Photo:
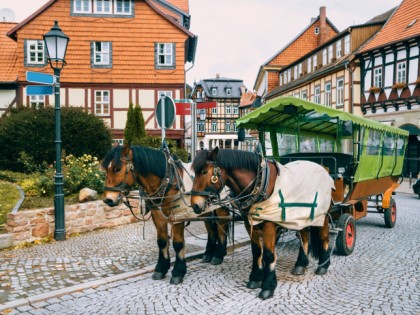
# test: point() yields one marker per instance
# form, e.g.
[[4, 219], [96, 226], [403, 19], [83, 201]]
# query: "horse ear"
[[125, 149], [213, 154]]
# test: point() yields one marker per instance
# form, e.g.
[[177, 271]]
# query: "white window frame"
[[327, 94], [37, 101], [201, 125], [103, 103], [346, 44], [281, 79], [228, 91], [330, 53], [338, 49], [340, 92], [228, 110], [304, 95], [214, 110], [123, 6], [234, 126], [213, 91], [36, 51], [316, 30], [165, 51], [214, 126], [315, 61], [324, 57], [82, 4], [317, 94], [227, 126], [401, 75], [102, 6], [309, 65], [289, 75], [299, 69], [377, 77], [166, 93], [295, 72], [235, 109], [104, 53]]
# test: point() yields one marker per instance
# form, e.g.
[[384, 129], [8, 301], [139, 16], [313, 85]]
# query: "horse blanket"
[[301, 197], [181, 206]]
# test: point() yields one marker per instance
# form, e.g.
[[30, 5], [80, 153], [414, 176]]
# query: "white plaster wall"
[[120, 119], [76, 97], [122, 99], [6, 97], [147, 101]]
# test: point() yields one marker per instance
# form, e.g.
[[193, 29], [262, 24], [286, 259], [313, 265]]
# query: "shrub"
[[28, 134]]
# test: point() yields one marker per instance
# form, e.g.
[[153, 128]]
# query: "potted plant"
[[375, 89], [418, 81], [399, 85]]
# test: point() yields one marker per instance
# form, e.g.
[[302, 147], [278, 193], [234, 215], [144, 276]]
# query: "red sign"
[[183, 108], [206, 105]]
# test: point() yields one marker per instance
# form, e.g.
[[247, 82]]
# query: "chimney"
[[322, 26], [217, 76]]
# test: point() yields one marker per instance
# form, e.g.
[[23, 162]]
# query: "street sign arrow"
[[39, 90], [39, 77]]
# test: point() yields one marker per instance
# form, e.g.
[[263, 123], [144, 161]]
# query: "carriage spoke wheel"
[[390, 215], [346, 239]]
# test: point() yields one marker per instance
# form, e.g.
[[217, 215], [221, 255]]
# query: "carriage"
[[364, 157]]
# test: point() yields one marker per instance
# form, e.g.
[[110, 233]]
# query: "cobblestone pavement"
[[382, 276]]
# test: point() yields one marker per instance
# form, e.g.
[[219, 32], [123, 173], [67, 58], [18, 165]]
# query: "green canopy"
[[292, 113]]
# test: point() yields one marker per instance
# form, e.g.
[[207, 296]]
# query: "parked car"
[[416, 187]]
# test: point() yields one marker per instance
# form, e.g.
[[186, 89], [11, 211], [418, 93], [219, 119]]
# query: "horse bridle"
[[211, 192], [122, 188]]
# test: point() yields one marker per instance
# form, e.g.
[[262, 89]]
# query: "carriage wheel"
[[390, 214], [346, 239]]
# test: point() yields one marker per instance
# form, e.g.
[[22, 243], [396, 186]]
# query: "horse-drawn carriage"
[[364, 157]]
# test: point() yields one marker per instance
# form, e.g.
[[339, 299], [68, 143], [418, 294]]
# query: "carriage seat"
[[331, 161]]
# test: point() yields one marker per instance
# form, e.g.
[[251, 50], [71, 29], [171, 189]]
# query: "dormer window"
[[309, 67], [338, 49], [228, 91], [213, 91]]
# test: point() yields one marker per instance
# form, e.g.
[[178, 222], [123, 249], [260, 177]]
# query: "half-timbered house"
[[120, 52]]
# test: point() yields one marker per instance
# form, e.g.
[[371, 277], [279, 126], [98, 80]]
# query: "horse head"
[[120, 174], [208, 181]]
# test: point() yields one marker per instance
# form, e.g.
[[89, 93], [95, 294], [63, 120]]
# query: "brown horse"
[[253, 180], [162, 179]]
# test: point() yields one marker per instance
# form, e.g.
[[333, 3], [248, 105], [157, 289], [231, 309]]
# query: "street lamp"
[[56, 42]]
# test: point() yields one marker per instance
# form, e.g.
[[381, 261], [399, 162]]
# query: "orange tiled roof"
[[8, 54], [180, 4], [397, 28]]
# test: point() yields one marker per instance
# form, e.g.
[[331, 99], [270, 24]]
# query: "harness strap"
[[283, 206]]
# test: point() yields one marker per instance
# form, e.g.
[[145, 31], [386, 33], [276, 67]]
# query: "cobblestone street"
[[380, 277]]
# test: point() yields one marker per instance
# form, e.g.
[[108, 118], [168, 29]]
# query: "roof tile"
[[8, 54]]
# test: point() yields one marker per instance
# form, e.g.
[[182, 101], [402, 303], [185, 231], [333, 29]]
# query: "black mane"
[[145, 160], [229, 160]]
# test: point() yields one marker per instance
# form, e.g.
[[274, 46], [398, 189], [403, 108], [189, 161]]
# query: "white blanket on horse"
[[181, 207], [301, 197]]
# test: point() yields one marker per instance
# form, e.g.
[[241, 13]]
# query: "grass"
[[9, 197], [46, 202]]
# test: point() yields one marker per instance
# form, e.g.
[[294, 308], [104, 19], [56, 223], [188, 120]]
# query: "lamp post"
[[56, 42]]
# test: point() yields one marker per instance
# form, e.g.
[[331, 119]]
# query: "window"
[[317, 95], [295, 72], [330, 53], [102, 6], [201, 125], [122, 6], [377, 77], [228, 110], [340, 92], [315, 61], [309, 65], [102, 54], [228, 91], [35, 52], [37, 101], [327, 94], [165, 55], [346, 44], [214, 110], [401, 72], [227, 126], [235, 110], [82, 6], [299, 69], [214, 126], [338, 49], [102, 103], [297, 95], [304, 95], [166, 93], [234, 127], [289, 75], [316, 30], [324, 57], [281, 79], [213, 91]]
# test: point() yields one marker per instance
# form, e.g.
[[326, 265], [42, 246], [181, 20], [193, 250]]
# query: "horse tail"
[[316, 243]]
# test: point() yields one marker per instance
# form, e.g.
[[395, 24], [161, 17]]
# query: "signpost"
[[39, 90], [48, 81], [165, 114]]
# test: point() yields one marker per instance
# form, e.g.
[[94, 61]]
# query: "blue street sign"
[[39, 90], [39, 77]]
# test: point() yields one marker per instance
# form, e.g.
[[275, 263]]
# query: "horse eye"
[[204, 172]]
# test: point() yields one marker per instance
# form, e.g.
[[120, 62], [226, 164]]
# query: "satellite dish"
[[7, 15]]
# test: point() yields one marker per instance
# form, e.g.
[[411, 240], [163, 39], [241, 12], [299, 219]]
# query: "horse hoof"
[[158, 275], [298, 270], [321, 271], [216, 261], [206, 258], [253, 284], [266, 294], [176, 280]]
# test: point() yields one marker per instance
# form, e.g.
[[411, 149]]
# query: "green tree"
[[138, 113], [130, 126]]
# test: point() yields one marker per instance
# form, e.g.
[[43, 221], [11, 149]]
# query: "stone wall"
[[30, 225]]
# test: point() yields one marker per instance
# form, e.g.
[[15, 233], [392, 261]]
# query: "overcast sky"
[[235, 37]]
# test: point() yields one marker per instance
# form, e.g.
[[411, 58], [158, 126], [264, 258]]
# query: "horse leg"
[[211, 241], [269, 282], [324, 253], [163, 263], [257, 273], [180, 267], [302, 261], [222, 228]]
